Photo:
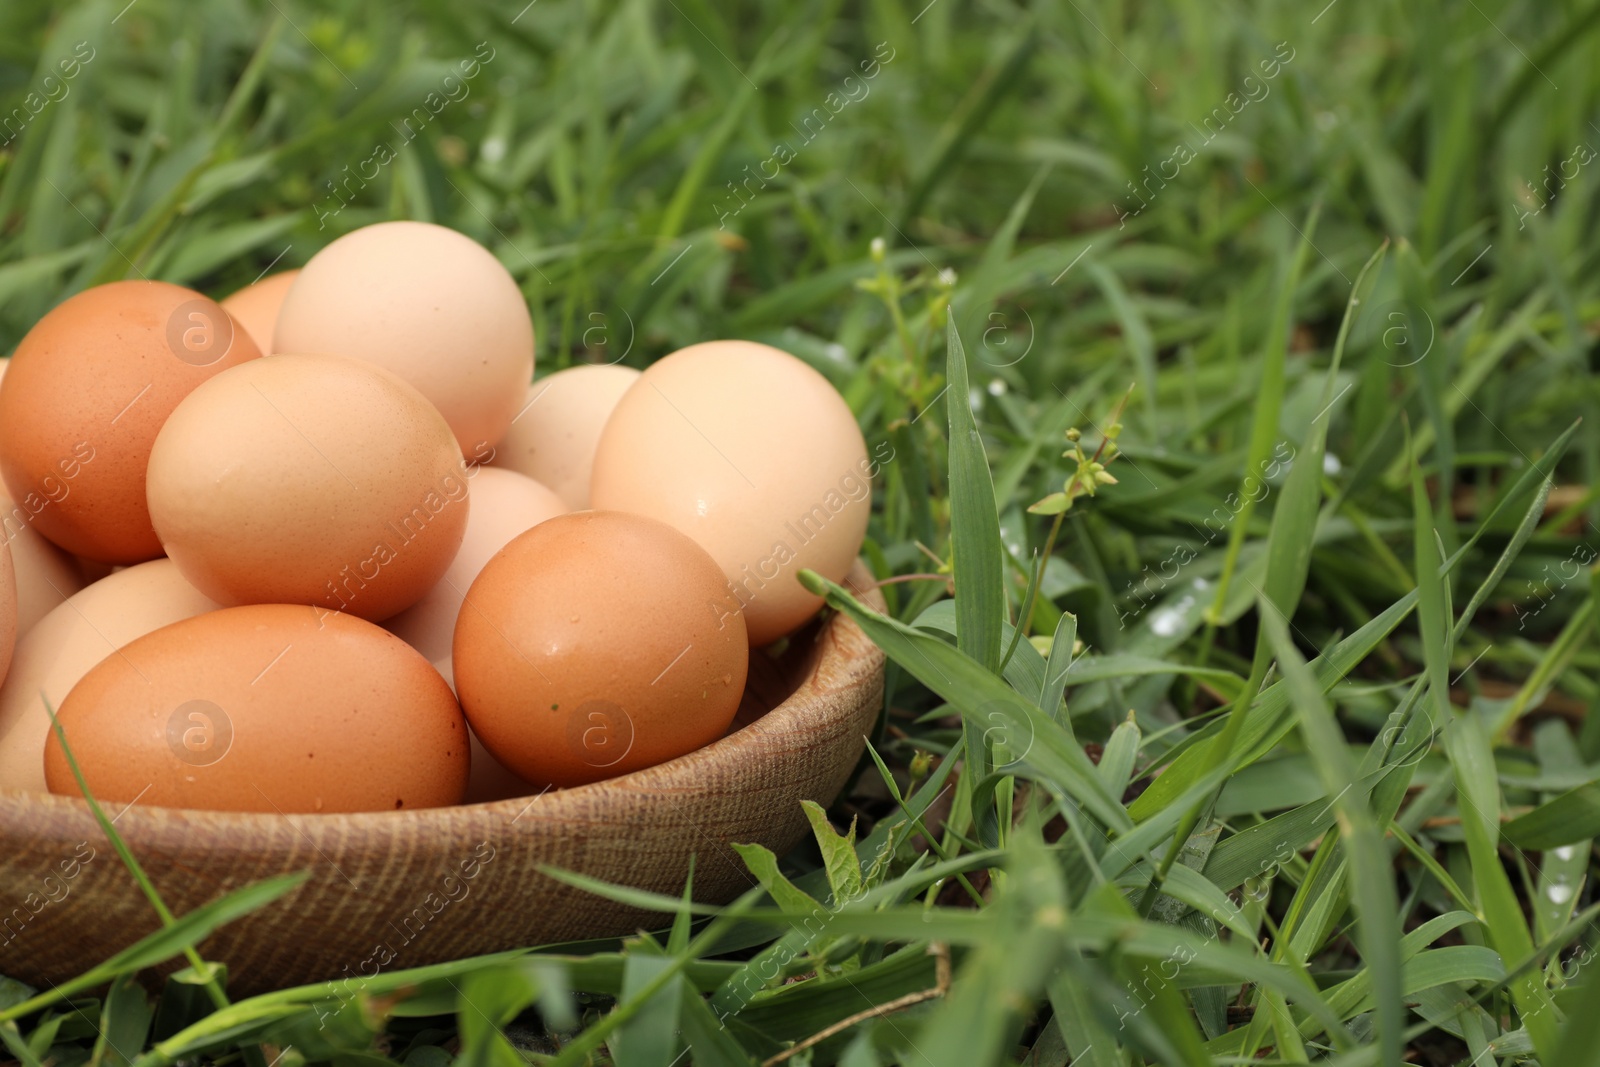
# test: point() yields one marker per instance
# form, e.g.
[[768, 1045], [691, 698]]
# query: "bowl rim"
[[836, 631]]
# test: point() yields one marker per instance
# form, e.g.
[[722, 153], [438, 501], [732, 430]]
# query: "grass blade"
[[1269, 405], [1371, 887], [974, 521], [977, 694], [1477, 785]]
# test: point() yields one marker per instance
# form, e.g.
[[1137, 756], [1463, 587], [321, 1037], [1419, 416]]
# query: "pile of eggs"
[[326, 546]]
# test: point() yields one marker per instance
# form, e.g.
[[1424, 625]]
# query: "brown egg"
[[598, 643], [8, 609], [46, 576], [269, 707], [83, 399], [552, 439], [61, 647], [755, 456], [428, 303], [255, 307], [309, 480]]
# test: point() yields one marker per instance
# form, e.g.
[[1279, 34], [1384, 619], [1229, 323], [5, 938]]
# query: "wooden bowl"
[[390, 890]]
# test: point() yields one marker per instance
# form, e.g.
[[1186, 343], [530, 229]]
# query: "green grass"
[[1323, 783]]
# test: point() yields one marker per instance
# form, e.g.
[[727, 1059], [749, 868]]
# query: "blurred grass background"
[[1175, 196]]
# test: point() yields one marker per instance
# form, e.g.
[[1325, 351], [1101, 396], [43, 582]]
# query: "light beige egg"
[[429, 304], [309, 480], [756, 457], [504, 504], [62, 647], [256, 306], [552, 439], [46, 575]]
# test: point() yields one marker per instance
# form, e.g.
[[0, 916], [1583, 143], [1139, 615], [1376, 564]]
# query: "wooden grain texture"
[[390, 890]]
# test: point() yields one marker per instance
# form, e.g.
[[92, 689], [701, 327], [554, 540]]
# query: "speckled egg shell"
[[72, 638], [271, 708], [598, 643]]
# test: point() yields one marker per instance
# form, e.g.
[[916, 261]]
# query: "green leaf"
[[975, 546], [169, 941], [488, 999], [797, 1010], [1118, 756], [1135, 330], [1573, 816], [1580, 1036], [12, 1038], [1024, 670], [1053, 691], [1078, 995], [1088, 669], [683, 921], [978, 694], [1008, 969], [839, 857], [1268, 405], [710, 1043], [649, 1038], [1269, 722], [1436, 644], [1370, 869], [1053, 504], [124, 1023], [1191, 888], [1477, 786], [764, 865]]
